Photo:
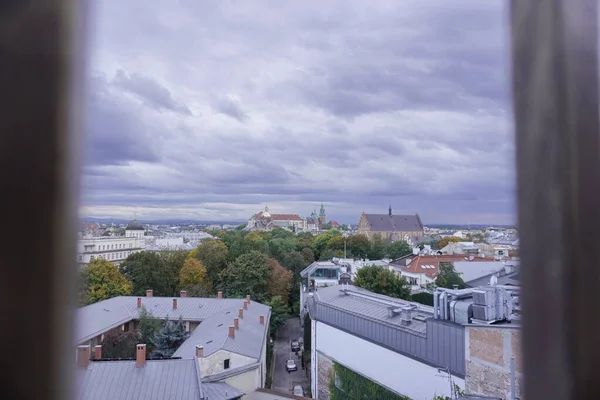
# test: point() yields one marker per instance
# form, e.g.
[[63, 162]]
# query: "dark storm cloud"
[[354, 104]]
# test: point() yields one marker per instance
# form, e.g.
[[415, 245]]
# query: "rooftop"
[[394, 223], [316, 265], [156, 380], [213, 332], [100, 317]]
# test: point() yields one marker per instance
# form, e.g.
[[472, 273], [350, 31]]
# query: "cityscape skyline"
[[210, 110]]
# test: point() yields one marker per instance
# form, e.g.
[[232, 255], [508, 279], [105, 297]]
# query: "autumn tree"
[[399, 249], [280, 280], [213, 255], [336, 243], [192, 274], [381, 280], [444, 241], [247, 275], [101, 280], [172, 261]]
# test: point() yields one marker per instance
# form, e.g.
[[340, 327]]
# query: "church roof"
[[134, 226], [394, 223]]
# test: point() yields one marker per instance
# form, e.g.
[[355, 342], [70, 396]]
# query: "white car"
[[298, 391], [291, 365]]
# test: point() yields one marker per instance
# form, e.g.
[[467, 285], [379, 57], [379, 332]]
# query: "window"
[[412, 281], [91, 258], [226, 364], [80, 258]]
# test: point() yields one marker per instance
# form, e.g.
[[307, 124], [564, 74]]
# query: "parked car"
[[298, 391], [291, 365], [295, 345]]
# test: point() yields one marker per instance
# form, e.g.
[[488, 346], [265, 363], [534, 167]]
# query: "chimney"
[[140, 355], [199, 351], [232, 331], [183, 293], [236, 323], [241, 313], [219, 294], [262, 320], [83, 356], [149, 293], [248, 298], [97, 352], [245, 305], [139, 302], [174, 304]]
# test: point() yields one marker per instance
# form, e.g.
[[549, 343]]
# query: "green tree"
[[295, 263], [213, 255], [379, 248], [321, 240], [119, 344], [399, 249], [448, 277], [169, 338], [280, 280], [278, 247], [359, 246], [247, 275], [347, 384], [280, 233], [172, 262], [383, 281], [192, 273], [336, 243], [279, 313], [308, 256], [101, 280], [304, 240], [146, 270], [241, 246], [147, 328]]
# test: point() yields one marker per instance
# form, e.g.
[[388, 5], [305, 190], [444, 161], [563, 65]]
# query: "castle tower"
[[322, 215]]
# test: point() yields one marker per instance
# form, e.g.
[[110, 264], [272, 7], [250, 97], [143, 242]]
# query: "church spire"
[[390, 210]]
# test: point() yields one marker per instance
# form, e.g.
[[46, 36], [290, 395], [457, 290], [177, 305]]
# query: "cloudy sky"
[[211, 109]]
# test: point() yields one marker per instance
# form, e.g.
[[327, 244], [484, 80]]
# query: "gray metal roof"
[[315, 265], [220, 391], [394, 223], [213, 332], [366, 315], [100, 317], [156, 380]]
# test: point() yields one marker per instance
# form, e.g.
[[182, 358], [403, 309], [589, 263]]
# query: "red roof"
[[286, 217], [419, 263]]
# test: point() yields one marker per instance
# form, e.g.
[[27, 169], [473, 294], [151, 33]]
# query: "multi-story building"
[[406, 348], [264, 221], [227, 344], [112, 248], [391, 227]]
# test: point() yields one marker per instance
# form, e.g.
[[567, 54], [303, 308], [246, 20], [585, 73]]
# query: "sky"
[[210, 110]]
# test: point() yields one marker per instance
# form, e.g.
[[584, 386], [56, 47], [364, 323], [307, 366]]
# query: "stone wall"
[[489, 351], [325, 371]]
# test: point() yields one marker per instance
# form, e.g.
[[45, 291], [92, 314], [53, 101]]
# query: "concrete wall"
[[246, 381], [389, 369], [213, 364], [313, 359], [488, 355]]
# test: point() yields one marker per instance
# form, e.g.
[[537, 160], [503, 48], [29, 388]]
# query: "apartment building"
[[112, 248], [407, 348]]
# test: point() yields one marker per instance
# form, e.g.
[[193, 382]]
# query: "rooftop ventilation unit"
[[493, 304], [406, 315]]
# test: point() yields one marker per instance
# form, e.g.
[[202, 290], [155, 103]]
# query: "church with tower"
[[319, 219]]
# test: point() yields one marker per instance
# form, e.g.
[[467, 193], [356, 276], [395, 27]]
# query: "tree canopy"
[[448, 277], [101, 280], [192, 274], [280, 280], [247, 275], [383, 281]]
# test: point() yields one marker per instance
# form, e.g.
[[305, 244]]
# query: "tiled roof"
[[213, 332], [286, 217], [430, 265], [394, 223], [156, 380], [100, 317]]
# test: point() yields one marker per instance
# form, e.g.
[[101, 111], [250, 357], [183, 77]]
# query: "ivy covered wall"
[[348, 385]]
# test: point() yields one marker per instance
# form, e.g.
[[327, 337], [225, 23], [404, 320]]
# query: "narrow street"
[[282, 380]]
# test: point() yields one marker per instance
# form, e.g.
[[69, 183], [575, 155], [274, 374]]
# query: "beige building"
[[390, 227]]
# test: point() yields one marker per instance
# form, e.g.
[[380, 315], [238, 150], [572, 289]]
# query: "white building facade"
[[112, 248]]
